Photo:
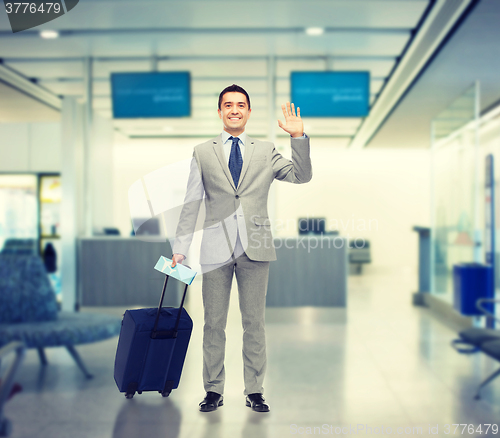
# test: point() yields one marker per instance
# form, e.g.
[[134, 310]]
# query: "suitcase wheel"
[[139, 392], [129, 395], [165, 393]]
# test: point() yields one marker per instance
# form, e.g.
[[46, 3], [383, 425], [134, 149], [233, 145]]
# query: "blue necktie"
[[235, 161]]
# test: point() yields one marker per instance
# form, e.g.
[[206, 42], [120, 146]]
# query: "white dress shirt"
[[227, 144]]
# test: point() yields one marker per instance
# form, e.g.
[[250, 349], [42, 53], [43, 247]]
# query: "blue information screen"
[[331, 94], [162, 94]]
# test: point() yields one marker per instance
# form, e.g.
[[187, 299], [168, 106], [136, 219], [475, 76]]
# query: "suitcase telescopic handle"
[[166, 334]]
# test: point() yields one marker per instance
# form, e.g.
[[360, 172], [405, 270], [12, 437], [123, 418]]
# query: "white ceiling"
[[472, 53], [220, 43]]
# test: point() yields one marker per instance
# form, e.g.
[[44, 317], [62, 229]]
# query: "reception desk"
[[117, 271], [310, 271]]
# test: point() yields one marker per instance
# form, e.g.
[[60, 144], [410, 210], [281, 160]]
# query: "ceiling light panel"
[[376, 67], [37, 68], [315, 31], [216, 86], [105, 68], [64, 88], [217, 67], [49, 34], [104, 14]]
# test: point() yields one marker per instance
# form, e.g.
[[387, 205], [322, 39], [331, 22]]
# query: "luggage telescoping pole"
[[166, 334]]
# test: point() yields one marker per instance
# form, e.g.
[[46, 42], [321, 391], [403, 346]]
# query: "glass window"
[[18, 207]]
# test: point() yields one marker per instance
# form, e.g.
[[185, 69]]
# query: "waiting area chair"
[[20, 246], [29, 311], [475, 340], [359, 254]]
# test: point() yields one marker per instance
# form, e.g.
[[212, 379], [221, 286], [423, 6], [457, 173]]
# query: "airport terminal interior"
[[380, 306]]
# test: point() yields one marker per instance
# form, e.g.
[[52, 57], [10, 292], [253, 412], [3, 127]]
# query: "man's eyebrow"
[[232, 102]]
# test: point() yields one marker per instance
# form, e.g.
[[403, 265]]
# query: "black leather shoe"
[[211, 402], [257, 402]]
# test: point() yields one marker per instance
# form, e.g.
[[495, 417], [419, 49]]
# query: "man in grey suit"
[[233, 173]]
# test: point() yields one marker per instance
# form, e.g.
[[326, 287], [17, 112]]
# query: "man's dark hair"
[[231, 89]]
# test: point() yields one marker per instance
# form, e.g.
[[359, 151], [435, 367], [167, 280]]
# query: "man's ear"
[[220, 115], [249, 112]]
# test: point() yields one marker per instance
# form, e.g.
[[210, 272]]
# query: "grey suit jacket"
[[242, 210]]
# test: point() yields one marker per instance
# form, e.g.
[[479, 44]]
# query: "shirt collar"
[[225, 137]]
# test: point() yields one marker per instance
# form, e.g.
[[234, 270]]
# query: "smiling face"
[[234, 112]]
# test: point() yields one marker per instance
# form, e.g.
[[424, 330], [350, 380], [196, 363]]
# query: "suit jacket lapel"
[[249, 148], [219, 151]]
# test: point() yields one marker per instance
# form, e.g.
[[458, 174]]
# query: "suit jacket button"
[[237, 196]]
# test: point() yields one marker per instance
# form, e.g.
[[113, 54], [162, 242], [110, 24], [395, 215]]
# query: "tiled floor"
[[386, 365]]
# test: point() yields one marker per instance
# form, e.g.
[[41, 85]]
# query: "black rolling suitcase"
[[152, 348]]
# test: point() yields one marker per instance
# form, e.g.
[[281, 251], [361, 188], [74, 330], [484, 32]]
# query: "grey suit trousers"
[[252, 278]]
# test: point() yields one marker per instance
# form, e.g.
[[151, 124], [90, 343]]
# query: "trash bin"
[[472, 281]]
